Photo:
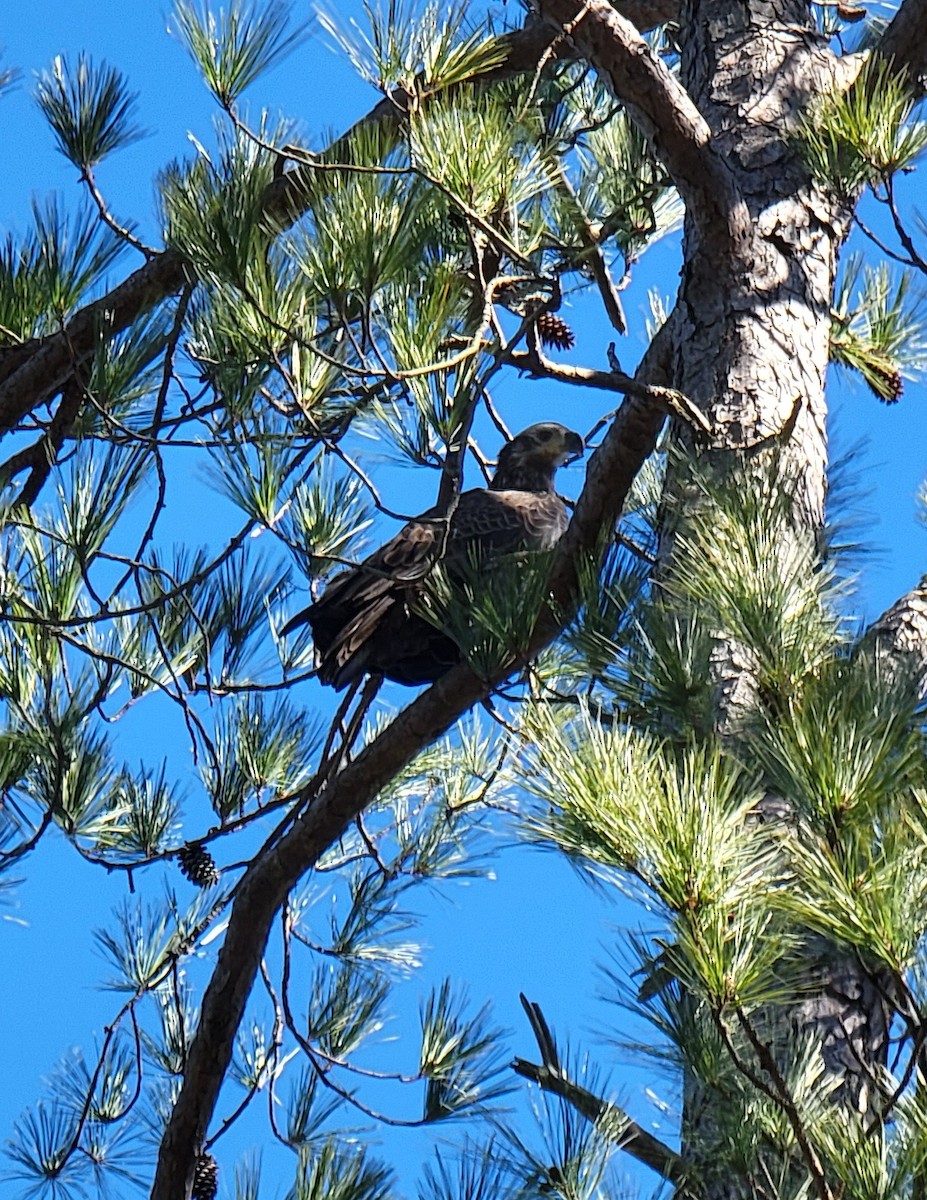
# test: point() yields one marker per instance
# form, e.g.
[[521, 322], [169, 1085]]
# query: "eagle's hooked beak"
[[573, 446]]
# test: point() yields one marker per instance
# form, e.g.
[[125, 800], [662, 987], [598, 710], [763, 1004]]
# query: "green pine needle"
[[167, 1047], [483, 157], [239, 44], [864, 134], [624, 188], [477, 1172], [145, 942], [326, 522], [416, 50], [39, 1149], [44, 277], [308, 1107], [460, 1057], [347, 1008], [214, 206], [368, 222], [144, 816], [265, 748], [336, 1170], [879, 332], [90, 109]]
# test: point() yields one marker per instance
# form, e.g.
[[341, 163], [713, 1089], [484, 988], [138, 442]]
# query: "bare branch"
[[594, 257], [669, 400], [631, 1137], [614, 1121]]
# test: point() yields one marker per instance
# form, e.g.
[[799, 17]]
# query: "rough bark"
[[900, 633], [905, 42], [754, 339], [750, 345]]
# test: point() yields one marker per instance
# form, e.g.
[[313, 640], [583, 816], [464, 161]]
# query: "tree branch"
[[648, 14], [45, 451], [669, 400], [615, 1122], [677, 132], [277, 868], [905, 42], [33, 372]]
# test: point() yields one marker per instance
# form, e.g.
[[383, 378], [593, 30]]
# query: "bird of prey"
[[365, 622]]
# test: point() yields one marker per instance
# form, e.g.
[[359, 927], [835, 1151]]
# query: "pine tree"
[[678, 698]]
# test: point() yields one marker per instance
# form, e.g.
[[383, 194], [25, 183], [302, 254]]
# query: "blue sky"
[[535, 928]]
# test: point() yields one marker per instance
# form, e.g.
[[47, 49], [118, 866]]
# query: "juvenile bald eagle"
[[365, 621]]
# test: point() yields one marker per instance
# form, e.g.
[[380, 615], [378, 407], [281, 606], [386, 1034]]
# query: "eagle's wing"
[[363, 600], [363, 620], [504, 522]]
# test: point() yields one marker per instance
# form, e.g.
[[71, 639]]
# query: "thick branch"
[[631, 1137], [676, 131], [34, 372], [905, 42], [648, 14], [277, 869], [49, 445]]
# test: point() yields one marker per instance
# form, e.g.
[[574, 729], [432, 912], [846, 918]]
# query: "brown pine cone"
[[554, 331], [197, 864], [205, 1178]]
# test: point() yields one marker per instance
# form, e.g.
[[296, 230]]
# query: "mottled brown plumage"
[[364, 620]]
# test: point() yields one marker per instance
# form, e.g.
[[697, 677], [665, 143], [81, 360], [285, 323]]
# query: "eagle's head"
[[528, 462]]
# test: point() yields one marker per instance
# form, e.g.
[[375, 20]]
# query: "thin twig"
[[611, 1119], [779, 1093], [109, 220]]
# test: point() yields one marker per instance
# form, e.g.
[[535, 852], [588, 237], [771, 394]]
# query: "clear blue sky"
[[536, 928]]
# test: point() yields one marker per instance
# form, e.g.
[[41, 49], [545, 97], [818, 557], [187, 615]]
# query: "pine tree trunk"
[[751, 337], [752, 341]]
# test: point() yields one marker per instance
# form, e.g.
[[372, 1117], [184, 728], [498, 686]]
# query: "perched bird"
[[365, 620]]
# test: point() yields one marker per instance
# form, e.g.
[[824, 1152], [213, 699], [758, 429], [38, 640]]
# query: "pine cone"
[[554, 331], [205, 1178], [891, 385], [197, 864], [896, 384]]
